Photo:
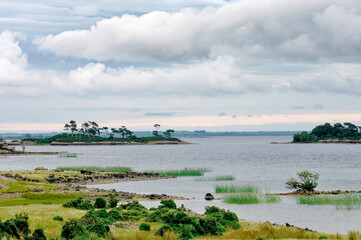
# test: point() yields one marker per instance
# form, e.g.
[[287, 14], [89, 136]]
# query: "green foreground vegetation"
[[347, 131], [344, 201], [134, 221]]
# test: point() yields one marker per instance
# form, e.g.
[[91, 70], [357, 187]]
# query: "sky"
[[245, 65]]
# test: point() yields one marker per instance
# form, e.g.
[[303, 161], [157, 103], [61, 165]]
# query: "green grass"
[[345, 201], [237, 189], [219, 178], [41, 198], [24, 186], [186, 172], [250, 198], [97, 169]]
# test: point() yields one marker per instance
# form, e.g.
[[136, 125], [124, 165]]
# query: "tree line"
[[92, 128], [346, 131]]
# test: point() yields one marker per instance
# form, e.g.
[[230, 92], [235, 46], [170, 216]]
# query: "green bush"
[[79, 204], [99, 229], [307, 181], [168, 204], [115, 215], [101, 213], [162, 229], [144, 227], [100, 203], [58, 218], [38, 234], [85, 206], [212, 226], [112, 202], [73, 228]]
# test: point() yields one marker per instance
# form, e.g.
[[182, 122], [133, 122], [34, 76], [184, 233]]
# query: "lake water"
[[251, 160]]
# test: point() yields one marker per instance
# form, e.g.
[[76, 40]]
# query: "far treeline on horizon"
[[327, 131]]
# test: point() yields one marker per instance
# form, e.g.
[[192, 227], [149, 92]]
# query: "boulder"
[[40, 169], [209, 197]]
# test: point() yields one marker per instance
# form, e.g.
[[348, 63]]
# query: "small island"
[[326, 133], [91, 134]]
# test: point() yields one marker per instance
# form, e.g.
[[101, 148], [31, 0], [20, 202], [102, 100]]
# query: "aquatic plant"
[[186, 172], [218, 178], [345, 201], [236, 189], [250, 198], [97, 169]]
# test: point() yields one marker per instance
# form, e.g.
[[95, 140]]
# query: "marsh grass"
[[24, 186], [250, 198], [237, 189], [186, 172], [41, 198], [218, 178], [344, 201], [97, 169], [251, 230]]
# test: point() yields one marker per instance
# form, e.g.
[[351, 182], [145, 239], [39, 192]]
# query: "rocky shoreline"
[[69, 182], [104, 143]]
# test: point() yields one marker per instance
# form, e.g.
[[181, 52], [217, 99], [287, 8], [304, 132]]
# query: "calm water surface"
[[251, 160]]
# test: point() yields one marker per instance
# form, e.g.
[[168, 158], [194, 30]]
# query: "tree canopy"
[[347, 131]]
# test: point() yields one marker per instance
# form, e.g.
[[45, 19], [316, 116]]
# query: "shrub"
[[308, 181], [211, 225], [85, 206], [101, 213], [112, 202], [38, 234], [58, 218], [144, 227], [100, 203], [115, 215], [73, 228], [168, 204], [163, 229], [98, 228]]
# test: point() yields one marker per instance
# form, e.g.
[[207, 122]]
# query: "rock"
[[86, 172], [51, 176], [209, 197], [18, 176], [9, 175], [40, 168]]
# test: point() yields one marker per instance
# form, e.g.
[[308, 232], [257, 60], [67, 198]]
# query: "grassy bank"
[[97, 169], [36, 198]]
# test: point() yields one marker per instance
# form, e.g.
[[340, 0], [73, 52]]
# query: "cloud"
[[293, 30], [222, 114], [160, 114], [299, 108], [318, 106]]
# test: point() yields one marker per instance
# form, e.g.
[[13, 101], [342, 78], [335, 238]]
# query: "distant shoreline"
[[105, 143]]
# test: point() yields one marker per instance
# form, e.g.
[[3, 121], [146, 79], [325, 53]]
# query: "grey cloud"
[[222, 114], [318, 106], [298, 107], [307, 30], [160, 114]]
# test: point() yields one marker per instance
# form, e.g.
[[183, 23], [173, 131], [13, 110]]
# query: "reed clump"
[[344, 201], [237, 189], [250, 198], [186, 172], [218, 178]]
